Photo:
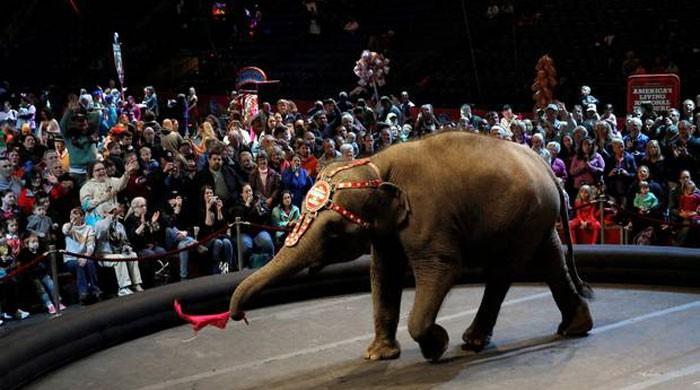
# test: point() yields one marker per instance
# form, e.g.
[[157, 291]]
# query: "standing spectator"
[[78, 127], [407, 107], [150, 101], [80, 239], [192, 108], [586, 97], [170, 139]]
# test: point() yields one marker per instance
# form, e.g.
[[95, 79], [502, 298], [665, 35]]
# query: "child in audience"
[[39, 223], [584, 216], [645, 200], [38, 275]]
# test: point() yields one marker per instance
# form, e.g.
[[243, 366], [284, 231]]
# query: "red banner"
[[662, 91]]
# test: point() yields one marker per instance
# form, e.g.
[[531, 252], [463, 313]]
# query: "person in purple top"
[[558, 165], [587, 166]]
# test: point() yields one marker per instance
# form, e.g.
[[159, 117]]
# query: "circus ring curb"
[[31, 352]]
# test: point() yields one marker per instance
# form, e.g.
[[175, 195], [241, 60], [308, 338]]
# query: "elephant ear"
[[392, 208]]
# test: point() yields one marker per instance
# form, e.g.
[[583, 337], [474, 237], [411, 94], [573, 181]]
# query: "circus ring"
[[311, 330]]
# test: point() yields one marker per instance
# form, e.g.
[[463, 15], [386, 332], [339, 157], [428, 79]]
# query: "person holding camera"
[[213, 222], [258, 246]]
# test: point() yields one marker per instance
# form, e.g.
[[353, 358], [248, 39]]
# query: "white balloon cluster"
[[371, 68]]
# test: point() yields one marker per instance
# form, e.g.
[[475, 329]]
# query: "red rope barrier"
[[267, 227], [25, 267]]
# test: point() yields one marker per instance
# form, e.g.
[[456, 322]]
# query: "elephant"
[[438, 204]]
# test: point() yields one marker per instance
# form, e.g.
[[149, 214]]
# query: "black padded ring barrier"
[[35, 350]]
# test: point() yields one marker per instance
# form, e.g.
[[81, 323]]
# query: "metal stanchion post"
[[54, 276], [602, 219], [239, 244]]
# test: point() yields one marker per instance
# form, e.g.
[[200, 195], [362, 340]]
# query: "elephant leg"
[[576, 316], [478, 335], [387, 272], [433, 281]]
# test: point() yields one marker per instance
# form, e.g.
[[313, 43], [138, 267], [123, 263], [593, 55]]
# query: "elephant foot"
[[434, 343], [475, 340], [579, 324], [383, 350]]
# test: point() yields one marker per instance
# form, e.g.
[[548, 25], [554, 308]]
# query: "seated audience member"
[[7, 180], [179, 231], [283, 214], [39, 223], [222, 179], [297, 181], [654, 187], [146, 236], [557, 164], [266, 182], [587, 166], [213, 222], [656, 162], [80, 239], [539, 147], [38, 275], [689, 213], [644, 201], [619, 171], [99, 188], [584, 219], [258, 247], [308, 160], [674, 198], [112, 243], [33, 180]]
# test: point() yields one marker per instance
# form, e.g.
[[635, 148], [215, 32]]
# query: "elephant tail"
[[583, 288]]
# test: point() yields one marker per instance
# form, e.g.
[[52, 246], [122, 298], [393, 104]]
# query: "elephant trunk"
[[288, 262]]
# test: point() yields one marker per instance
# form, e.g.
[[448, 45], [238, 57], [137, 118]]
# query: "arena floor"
[[644, 338]]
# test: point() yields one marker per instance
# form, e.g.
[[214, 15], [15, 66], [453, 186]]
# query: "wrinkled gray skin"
[[454, 200]]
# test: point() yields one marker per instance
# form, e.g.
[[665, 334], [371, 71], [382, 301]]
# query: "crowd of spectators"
[[111, 177]]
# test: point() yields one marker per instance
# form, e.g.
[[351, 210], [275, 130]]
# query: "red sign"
[[662, 91]]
